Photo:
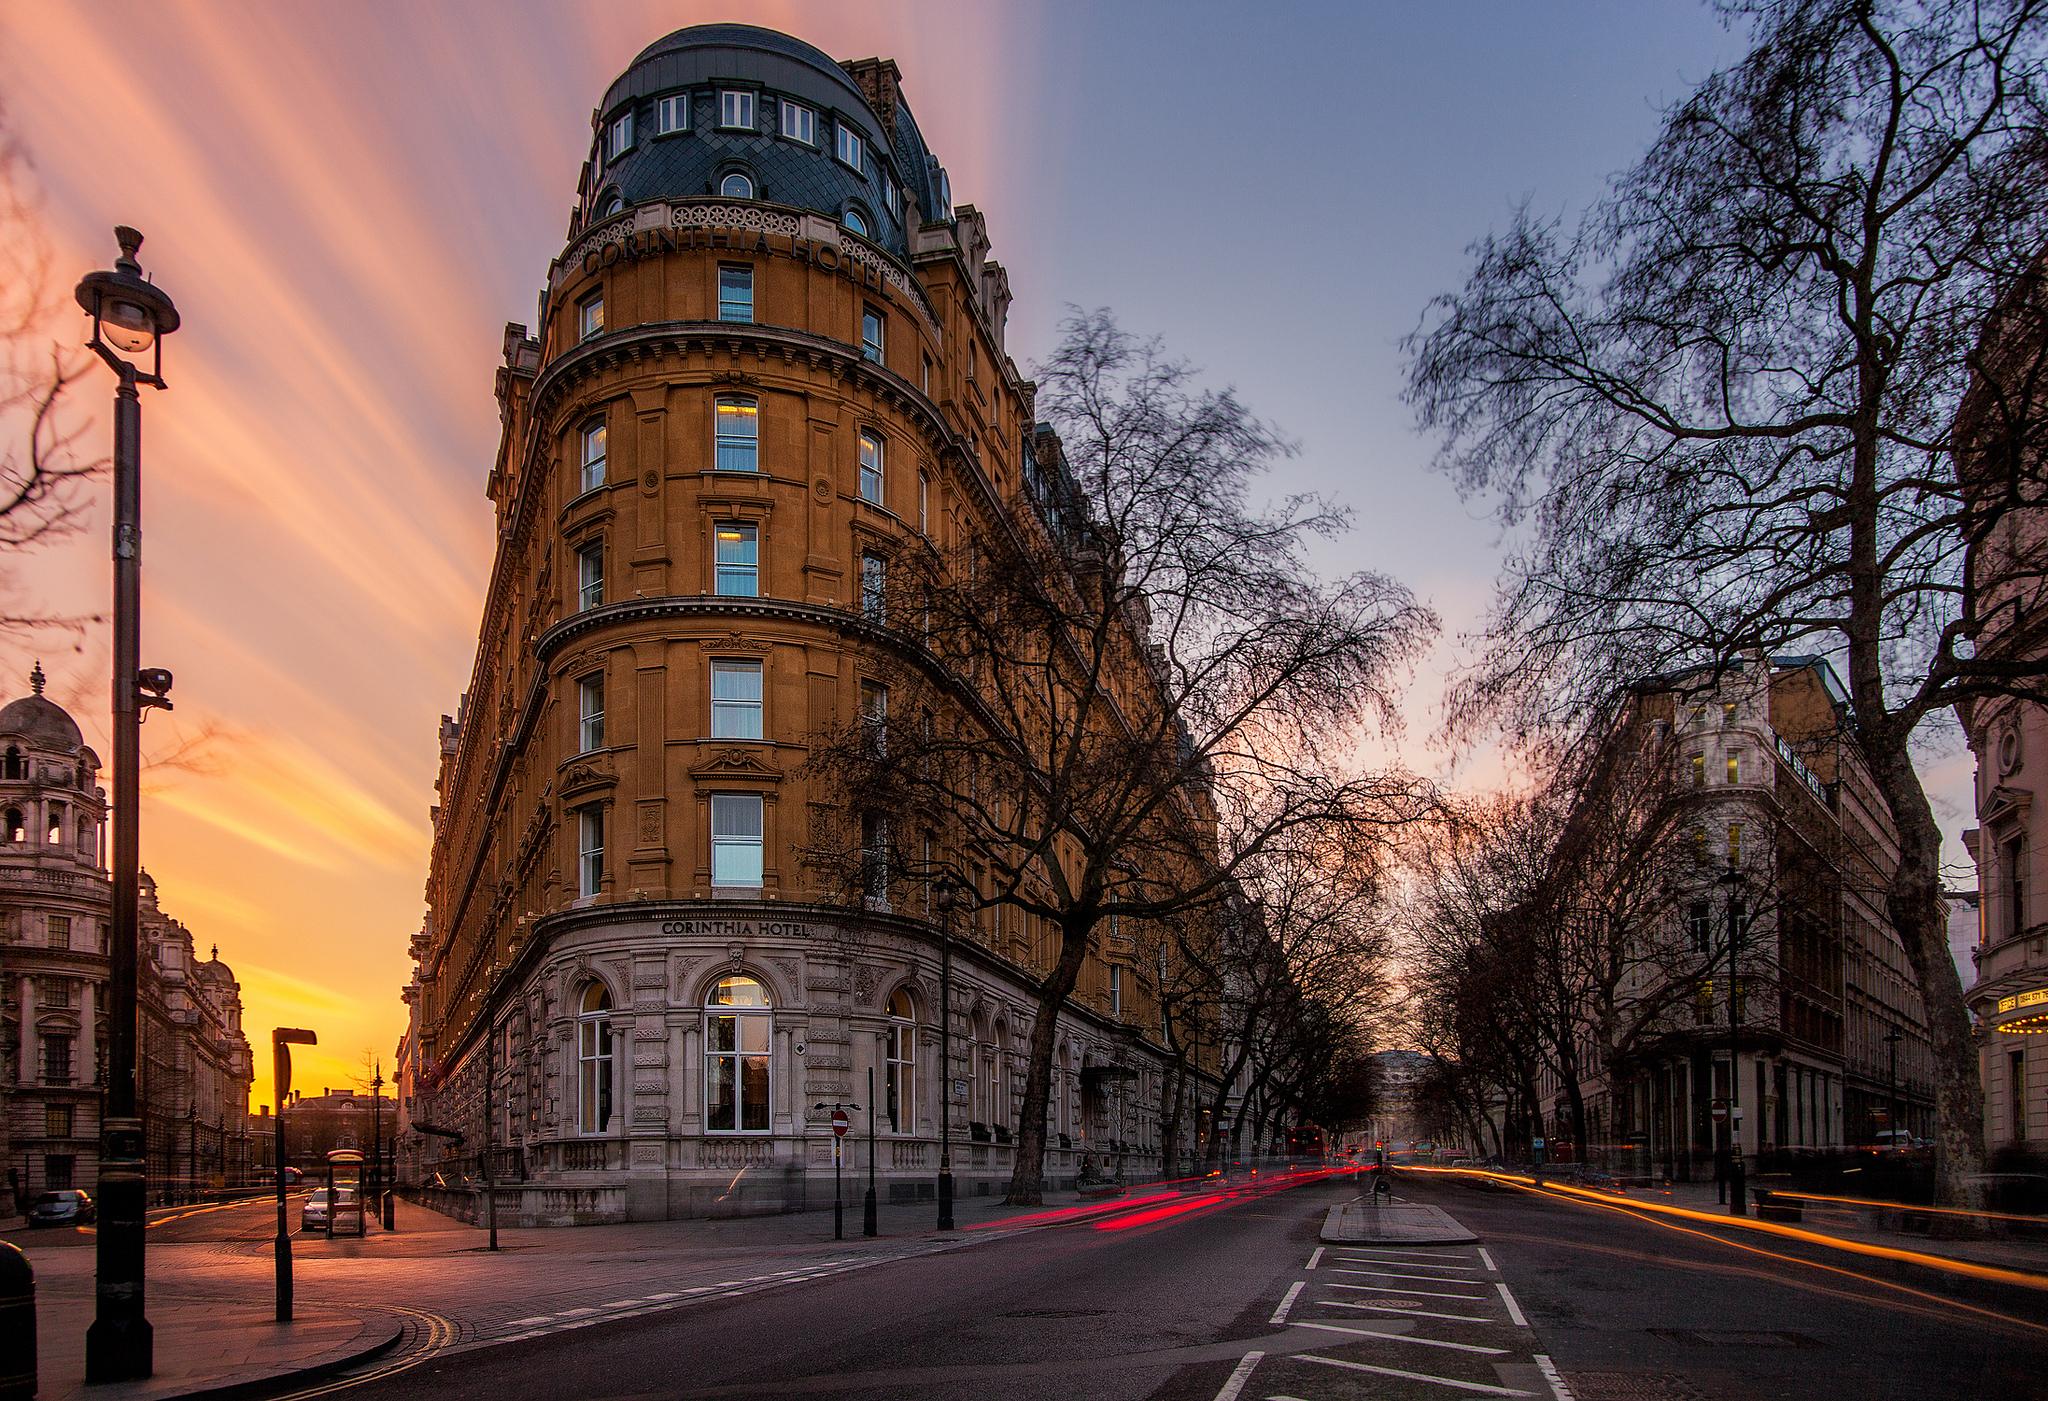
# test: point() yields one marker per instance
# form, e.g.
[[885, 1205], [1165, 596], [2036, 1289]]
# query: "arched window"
[[14, 767], [17, 831], [736, 184], [902, 1063], [614, 203], [738, 1025], [855, 220], [594, 1060]]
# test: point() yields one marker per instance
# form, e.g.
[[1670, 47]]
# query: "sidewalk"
[[210, 1348]]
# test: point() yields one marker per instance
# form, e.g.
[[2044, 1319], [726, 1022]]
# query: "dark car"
[[68, 1208]]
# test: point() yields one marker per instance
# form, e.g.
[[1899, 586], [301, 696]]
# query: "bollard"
[[17, 1325]]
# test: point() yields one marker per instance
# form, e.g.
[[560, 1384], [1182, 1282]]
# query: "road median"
[[1396, 1223]]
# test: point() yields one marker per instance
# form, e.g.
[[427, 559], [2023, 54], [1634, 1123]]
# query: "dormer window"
[[672, 114], [736, 184], [856, 221], [849, 146], [736, 109], [799, 123], [618, 137], [614, 203]]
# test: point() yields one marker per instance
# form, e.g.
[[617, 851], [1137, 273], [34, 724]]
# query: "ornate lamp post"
[[130, 318], [944, 901]]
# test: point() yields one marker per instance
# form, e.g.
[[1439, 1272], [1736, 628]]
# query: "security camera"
[[155, 684]]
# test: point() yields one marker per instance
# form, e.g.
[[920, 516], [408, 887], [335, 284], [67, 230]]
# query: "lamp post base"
[[867, 1214], [120, 1346], [946, 1198]]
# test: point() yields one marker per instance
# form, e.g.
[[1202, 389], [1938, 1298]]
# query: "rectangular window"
[[56, 1058], [590, 575], [618, 138], [57, 1172], [1734, 844], [590, 713], [1735, 767], [1699, 770], [1116, 991], [594, 1079], [736, 1064], [874, 716], [735, 293], [57, 1121], [590, 849], [735, 700], [924, 374], [871, 329], [593, 455], [849, 146], [874, 856], [1728, 712], [892, 195], [874, 588], [736, 838], [738, 566], [590, 316], [738, 435], [736, 108], [2015, 888], [799, 123], [1699, 925], [870, 466], [60, 931], [924, 490], [672, 115]]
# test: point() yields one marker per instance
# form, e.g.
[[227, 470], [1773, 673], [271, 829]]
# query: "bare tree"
[[1116, 699], [1722, 405]]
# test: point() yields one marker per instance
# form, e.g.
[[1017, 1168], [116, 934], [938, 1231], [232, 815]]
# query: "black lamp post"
[[1737, 1176], [130, 318], [945, 900], [281, 1042], [1891, 1042]]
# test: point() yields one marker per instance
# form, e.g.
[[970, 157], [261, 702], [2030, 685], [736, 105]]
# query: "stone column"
[[647, 1124]]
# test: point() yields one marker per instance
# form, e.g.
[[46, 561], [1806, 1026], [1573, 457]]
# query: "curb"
[[388, 1336]]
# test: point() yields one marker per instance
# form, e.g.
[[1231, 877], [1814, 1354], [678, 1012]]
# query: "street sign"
[[840, 1123]]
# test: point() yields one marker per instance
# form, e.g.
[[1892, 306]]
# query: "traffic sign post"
[[840, 1124]]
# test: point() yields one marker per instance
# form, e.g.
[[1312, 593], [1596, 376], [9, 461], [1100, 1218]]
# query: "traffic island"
[[1399, 1223], [217, 1350]]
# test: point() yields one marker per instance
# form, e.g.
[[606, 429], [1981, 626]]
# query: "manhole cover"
[[1632, 1386], [1737, 1337]]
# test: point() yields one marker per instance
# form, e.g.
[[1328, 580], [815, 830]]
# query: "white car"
[[343, 1206]]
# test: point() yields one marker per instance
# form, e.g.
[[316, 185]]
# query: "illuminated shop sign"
[[2023, 999]]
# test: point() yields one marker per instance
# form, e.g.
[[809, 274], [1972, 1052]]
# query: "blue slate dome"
[[689, 69]]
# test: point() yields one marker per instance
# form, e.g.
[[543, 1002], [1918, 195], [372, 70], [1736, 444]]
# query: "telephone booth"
[[344, 1192]]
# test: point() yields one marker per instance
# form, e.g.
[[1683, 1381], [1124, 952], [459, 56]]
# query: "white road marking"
[[1406, 1338], [1277, 1396], [663, 1297], [1418, 1293], [1411, 1376], [1404, 1310], [1411, 1264], [1514, 1309], [1554, 1377], [1293, 1292], [1316, 1258], [1238, 1378], [1487, 1260], [575, 1313], [1419, 1254], [1397, 1274]]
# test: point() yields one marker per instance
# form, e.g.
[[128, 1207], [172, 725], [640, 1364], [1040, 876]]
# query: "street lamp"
[[130, 316], [1891, 1042], [944, 900], [490, 1110], [281, 1042], [379, 1202], [1737, 1176]]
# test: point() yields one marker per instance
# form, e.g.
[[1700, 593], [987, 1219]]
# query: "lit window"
[[871, 329], [902, 1063], [924, 488], [1728, 712], [849, 146], [871, 466], [590, 575], [738, 565], [618, 138], [738, 435], [1734, 844], [672, 115], [736, 109], [738, 1032], [855, 220], [1699, 770], [874, 588], [735, 700], [735, 293], [736, 833], [55, 835], [590, 849], [737, 184], [594, 1060], [1735, 767], [590, 316], [593, 455], [799, 123], [590, 713]]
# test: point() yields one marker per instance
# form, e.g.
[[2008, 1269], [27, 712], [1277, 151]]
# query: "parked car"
[[343, 1207], [66, 1208]]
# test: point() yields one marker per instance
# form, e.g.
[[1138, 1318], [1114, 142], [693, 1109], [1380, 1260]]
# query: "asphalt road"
[[1234, 1301]]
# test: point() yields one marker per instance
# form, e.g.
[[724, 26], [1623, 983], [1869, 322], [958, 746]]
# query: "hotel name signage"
[[2034, 998], [734, 929]]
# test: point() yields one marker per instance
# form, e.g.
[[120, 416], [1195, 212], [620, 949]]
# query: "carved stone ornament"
[[2010, 754], [822, 489], [731, 763], [734, 642], [587, 775], [735, 954], [865, 979]]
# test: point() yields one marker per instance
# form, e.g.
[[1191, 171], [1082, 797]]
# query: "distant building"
[[315, 1125], [193, 1060]]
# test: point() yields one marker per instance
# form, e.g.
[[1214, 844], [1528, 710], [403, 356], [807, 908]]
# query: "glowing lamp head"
[[126, 326], [130, 314]]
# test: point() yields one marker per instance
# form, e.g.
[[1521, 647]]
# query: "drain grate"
[[1737, 1337], [1633, 1386]]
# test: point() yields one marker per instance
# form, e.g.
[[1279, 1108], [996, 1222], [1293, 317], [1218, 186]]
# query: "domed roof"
[[750, 36], [40, 720]]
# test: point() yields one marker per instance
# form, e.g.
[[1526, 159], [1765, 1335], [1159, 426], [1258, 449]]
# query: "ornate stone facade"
[[192, 1057], [763, 366]]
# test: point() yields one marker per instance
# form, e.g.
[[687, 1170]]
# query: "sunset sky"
[[348, 203]]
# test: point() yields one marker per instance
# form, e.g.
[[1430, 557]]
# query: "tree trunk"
[[1921, 917], [1174, 1094], [1027, 1178]]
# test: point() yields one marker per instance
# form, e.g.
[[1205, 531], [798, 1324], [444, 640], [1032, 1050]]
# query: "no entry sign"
[[840, 1123]]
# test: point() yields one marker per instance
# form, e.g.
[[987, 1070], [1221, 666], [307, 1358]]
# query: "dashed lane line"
[[1417, 1293], [1480, 1387], [1316, 1258], [1487, 1260], [1238, 1378], [1514, 1309], [1416, 1339], [1286, 1303]]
